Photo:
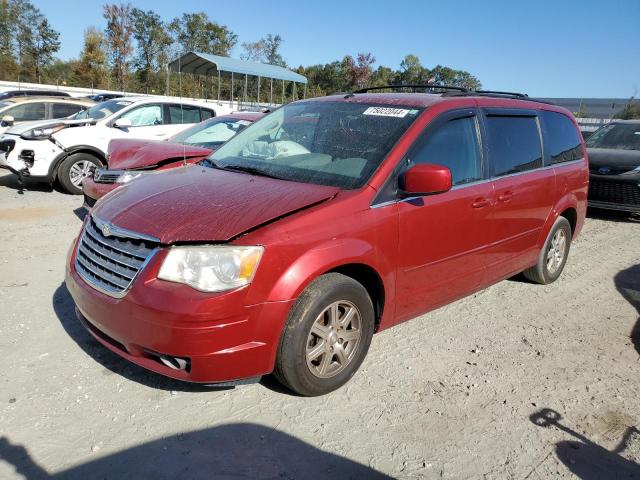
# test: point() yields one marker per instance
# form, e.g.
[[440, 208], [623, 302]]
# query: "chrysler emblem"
[[604, 170], [106, 229]]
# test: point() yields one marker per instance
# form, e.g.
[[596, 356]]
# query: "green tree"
[[196, 32], [8, 29], [43, 43], [119, 33], [266, 50], [412, 72], [91, 68], [152, 40], [630, 111]]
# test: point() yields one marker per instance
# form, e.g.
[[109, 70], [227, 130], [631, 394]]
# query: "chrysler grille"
[[111, 262]]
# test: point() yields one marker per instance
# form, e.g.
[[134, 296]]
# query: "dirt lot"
[[519, 381]]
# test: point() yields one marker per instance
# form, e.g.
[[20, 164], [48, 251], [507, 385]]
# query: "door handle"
[[505, 196], [481, 202]]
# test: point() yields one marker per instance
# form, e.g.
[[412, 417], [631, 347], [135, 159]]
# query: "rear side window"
[[63, 110], [514, 144], [184, 114], [562, 141], [27, 111], [207, 114], [454, 145]]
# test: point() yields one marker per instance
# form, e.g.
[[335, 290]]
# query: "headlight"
[[127, 176], [42, 133], [632, 172], [213, 268]]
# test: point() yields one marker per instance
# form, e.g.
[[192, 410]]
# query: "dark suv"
[[614, 165]]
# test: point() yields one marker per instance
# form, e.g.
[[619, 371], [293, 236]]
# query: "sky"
[[545, 48]]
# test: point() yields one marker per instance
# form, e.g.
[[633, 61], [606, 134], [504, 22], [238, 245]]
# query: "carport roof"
[[205, 63]]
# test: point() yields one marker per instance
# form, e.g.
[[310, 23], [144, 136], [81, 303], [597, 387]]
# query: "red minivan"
[[324, 222]]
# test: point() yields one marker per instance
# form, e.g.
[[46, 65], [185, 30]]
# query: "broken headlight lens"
[[42, 133], [127, 176], [211, 268]]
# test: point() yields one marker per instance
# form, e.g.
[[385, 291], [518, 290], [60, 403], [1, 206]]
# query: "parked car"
[[322, 223], [69, 150], [131, 158], [26, 109], [614, 164], [101, 97], [31, 93]]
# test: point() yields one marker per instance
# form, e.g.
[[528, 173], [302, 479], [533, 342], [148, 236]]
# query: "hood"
[[199, 204], [126, 154], [20, 128], [613, 158]]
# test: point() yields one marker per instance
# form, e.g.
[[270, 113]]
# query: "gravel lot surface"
[[518, 381]]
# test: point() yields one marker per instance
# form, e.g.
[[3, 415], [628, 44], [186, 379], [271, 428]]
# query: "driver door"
[[442, 238]]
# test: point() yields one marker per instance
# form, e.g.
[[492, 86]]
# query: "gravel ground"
[[518, 381]]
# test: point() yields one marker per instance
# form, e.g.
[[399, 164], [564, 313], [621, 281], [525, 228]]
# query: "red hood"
[[198, 204], [125, 153]]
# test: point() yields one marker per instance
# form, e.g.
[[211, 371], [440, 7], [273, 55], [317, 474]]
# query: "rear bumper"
[[93, 191], [221, 338]]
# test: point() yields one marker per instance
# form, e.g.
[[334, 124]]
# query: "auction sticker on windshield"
[[386, 112]]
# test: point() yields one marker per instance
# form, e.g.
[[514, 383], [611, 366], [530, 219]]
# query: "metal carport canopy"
[[205, 63]]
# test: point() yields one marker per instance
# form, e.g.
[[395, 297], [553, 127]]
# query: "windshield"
[[211, 133], [625, 136], [327, 143], [102, 110]]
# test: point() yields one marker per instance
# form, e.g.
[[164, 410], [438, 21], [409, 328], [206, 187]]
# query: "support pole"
[[282, 92], [259, 78], [304, 93], [218, 86], [231, 103], [271, 93], [244, 97]]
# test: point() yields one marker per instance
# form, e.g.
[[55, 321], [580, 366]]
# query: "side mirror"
[[425, 179], [7, 120], [122, 123]]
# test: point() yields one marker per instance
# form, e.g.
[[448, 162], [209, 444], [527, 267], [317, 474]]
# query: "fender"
[[568, 200], [53, 168]]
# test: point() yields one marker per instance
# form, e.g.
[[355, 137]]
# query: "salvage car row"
[[244, 246]]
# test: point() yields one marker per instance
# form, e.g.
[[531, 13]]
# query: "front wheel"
[[74, 169], [326, 337], [553, 256]]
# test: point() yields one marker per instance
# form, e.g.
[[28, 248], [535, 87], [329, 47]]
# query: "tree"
[[8, 27], [152, 39], [266, 50], [42, 44], [360, 70], [459, 78], [118, 33], [630, 111], [195, 32], [412, 72], [90, 69]]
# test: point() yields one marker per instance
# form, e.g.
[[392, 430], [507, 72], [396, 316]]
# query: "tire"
[[553, 255], [317, 362], [74, 169]]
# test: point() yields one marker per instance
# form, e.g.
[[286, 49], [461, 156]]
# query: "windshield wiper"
[[243, 168]]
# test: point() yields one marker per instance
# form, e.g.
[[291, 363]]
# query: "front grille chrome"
[[614, 192], [108, 258]]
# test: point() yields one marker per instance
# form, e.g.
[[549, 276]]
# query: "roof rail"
[[425, 86], [499, 93]]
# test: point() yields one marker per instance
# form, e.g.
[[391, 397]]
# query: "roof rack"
[[429, 86], [499, 93]]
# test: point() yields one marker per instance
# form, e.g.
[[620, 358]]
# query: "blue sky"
[[548, 48]]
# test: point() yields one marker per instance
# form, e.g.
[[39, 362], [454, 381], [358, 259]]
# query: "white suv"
[[69, 150]]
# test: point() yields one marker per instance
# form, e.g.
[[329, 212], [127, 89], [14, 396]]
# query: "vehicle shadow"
[[612, 215], [628, 284], [586, 459], [28, 184], [64, 309], [231, 451]]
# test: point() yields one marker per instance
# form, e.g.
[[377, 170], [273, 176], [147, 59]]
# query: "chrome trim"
[[479, 182], [115, 276], [123, 232]]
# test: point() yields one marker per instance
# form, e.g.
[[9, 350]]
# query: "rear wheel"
[[326, 337], [74, 169], [553, 255]]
